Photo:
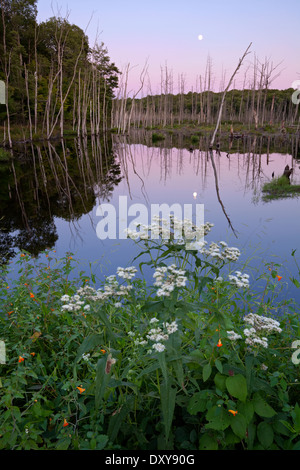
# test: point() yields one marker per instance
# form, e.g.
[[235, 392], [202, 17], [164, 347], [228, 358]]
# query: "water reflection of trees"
[[248, 161], [47, 181]]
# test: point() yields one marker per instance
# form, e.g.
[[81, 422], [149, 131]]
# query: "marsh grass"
[[280, 188]]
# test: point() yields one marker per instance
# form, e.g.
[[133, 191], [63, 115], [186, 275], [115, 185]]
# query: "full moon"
[[200, 37]]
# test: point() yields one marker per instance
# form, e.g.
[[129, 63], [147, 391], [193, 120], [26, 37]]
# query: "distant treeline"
[[252, 107], [54, 79]]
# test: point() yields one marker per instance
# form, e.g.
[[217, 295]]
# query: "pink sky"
[[166, 32]]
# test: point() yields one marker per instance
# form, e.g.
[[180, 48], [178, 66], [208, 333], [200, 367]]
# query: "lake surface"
[[50, 196]]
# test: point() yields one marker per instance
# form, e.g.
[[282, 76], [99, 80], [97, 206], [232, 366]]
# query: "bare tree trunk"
[[28, 100], [7, 62], [215, 132]]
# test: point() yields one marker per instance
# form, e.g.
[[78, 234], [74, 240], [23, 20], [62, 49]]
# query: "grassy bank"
[[194, 361], [279, 188]]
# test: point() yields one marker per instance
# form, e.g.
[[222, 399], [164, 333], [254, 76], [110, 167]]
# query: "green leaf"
[[63, 444], [247, 410], [118, 417], [249, 372], [89, 343], [206, 372], [167, 396], [296, 417], [101, 381], [220, 420], [239, 425], [220, 381], [237, 386], [197, 403], [101, 441], [219, 366], [207, 442], [262, 408], [2, 352], [265, 434]]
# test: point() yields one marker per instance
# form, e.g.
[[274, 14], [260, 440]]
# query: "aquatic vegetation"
[[280, 188], [195, 360]]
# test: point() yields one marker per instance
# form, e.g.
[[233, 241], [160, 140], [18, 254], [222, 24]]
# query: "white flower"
[[159, 347], [240, 280], [65, 298], [233, 336], [167, 278]]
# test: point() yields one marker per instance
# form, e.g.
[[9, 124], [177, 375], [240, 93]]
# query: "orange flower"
[[22, 256], [65, 423], [232, 412], [31, 295], [81, 389], [32, 354], [103, 351], [21, 359], [219, 343], [279, 277]]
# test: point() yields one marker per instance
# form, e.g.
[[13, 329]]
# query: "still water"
[[50, 197]]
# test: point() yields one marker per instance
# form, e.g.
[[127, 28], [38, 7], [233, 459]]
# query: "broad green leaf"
[[206, 372], [262, 408], [239, 425], [197, 403], [265, 434], [230, 437], [101, 441], [220, 421], [237, 386], [207, 442], [63, 444], [220, 381]]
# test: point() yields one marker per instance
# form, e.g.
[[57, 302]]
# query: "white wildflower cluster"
[[126, 273], [112, 288], [158, 335], [239, 280], [260, 325], [74, 304], [233, 336], [173, 228], [221, 251], [167, 278]]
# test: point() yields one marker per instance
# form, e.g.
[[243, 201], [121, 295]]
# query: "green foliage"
[[280, 187], [132, 366], [51, 51]]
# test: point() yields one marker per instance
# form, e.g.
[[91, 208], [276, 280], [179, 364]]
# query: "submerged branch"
[[215, 132]]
